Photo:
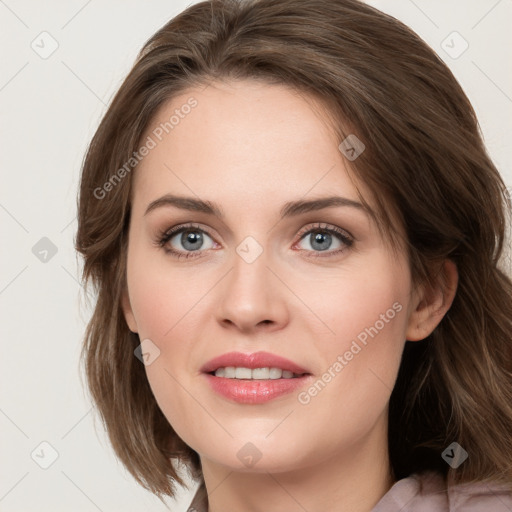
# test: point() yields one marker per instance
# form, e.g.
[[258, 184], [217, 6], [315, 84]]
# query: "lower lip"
[[255, 391]]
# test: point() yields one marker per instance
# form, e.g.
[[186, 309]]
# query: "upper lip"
[[254, 360]]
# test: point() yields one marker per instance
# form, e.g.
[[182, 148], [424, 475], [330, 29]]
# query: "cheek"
[[361, 338], [157, 293], [162, 300], [364, 302]]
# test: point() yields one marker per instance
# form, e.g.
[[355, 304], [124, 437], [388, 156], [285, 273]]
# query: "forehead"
[[242, 139]]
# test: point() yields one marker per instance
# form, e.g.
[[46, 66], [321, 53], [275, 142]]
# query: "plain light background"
[[50, 108]]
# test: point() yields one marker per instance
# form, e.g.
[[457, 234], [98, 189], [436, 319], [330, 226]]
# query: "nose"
[[252, 297]]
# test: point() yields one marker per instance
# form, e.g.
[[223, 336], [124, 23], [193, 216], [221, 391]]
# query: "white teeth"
[[276, 373], [243, 373], [261, 373], [232, 372]]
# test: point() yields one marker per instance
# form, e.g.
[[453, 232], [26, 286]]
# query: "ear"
[[432, 303], [128, 312]]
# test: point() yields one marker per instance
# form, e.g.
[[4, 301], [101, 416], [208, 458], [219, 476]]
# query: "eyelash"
[[164, 236]]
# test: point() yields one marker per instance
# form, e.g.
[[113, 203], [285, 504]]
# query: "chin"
[[257, 455]]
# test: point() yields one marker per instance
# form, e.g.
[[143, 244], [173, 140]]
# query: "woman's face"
[[252, 280]]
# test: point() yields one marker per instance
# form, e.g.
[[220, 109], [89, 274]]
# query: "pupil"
[[191, 237], [320, 238]]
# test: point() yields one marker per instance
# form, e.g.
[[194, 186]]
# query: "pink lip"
[[255, 391], [254, 360]]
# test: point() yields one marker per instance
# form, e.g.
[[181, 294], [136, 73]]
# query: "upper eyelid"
[[327, 227]]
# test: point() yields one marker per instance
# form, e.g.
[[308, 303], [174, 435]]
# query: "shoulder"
[[422, 492], [481, 496], [428, 492]]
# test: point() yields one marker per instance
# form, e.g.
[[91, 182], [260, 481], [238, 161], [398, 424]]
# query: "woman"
[[296, 237]]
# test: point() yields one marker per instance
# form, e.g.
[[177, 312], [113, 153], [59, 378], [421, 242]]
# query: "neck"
[[353, 479]]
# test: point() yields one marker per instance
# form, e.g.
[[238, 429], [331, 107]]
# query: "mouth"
[[256, 391], [254, 378]]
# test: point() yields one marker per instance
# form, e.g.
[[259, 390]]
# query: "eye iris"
[[319, 238], [191, 237]]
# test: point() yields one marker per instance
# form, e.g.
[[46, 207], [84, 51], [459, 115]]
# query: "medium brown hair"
[[425, 160]]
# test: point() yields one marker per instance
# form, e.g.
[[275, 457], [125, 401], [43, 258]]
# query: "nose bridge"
[[251, 294], [250, 275]]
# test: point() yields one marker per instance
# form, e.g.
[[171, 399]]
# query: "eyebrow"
[[289, 209]]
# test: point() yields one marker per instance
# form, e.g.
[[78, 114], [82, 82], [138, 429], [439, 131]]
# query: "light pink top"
[[424, 492]]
